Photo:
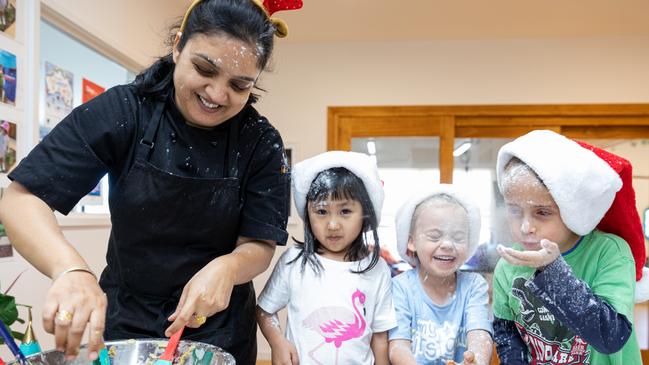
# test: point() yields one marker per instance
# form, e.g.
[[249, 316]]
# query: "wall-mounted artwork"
[[89, 90], [8, 17], [7, 77], [58, 94], [7, 146]]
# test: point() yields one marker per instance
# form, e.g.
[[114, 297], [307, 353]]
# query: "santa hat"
[[591, 187], [406, 211], [360, 164]]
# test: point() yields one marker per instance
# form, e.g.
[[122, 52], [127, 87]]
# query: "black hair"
[[239, 19], [338, 183]]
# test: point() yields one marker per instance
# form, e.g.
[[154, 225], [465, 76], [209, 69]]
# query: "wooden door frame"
[[585, 121]]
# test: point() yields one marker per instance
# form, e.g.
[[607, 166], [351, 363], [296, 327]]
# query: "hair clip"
[[269, 7], [272, 6]]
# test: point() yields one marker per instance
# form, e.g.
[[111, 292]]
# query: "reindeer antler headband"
[[269, 7]]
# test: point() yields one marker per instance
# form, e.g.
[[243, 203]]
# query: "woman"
[[198, 193]]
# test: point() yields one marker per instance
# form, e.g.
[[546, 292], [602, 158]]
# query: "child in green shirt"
[[563, 294]]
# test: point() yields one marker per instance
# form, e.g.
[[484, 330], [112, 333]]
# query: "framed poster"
[[89, 90], [8, 18], [58, 94], [8, 77], [7, 146]]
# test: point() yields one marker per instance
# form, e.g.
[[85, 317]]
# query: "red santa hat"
[[591, 187], [360, 164]]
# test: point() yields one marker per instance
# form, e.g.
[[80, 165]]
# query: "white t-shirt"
[[335, 313]]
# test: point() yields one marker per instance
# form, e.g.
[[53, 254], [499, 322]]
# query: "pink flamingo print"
[[337, 324]]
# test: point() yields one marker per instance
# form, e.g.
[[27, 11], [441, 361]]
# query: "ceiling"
[[417, 20]]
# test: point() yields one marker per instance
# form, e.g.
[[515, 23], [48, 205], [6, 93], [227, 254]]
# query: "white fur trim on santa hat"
[[405, 213], [359, 164], [642, 287], [581, 183]]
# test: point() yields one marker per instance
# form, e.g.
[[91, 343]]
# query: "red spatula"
[[168, 357]]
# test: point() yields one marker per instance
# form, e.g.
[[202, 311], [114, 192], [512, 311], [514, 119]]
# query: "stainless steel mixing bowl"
[[142, 352]]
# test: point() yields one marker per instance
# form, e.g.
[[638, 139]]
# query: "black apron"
[[165, 228]]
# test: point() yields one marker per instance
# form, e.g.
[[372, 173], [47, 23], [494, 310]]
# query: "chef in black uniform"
[[198, 196]]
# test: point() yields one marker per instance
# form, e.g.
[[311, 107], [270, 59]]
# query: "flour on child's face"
[[335, 224], [440, 239], [532, 213]]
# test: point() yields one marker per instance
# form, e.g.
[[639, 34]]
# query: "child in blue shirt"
[[442, 313]]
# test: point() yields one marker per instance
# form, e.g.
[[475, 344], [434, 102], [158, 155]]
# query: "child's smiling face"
[[440, 238], [532, 213]]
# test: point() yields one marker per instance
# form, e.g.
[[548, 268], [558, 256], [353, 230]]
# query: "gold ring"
[[63, 316], [200, 320]]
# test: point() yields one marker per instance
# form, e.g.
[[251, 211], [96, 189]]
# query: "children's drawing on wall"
[[7, 146], [58, 94], [7, 77], [8, 17]]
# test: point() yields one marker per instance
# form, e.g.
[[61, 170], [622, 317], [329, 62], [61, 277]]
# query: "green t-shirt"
[[604, 262]]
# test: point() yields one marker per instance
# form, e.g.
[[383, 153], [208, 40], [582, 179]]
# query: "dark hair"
[[338, 183], [240, 19]]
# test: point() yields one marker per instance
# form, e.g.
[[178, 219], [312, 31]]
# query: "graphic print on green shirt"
[[549, 341]]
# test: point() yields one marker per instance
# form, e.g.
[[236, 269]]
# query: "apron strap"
[[148, 141]]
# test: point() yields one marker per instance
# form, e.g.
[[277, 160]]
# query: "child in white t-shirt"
[[336, 289]]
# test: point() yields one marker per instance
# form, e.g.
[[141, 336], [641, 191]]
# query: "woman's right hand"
[[74, 301], [284, 353]]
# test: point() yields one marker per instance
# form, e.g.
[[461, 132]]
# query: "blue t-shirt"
[[437, 333]]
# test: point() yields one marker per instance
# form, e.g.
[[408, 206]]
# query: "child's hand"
[[284, 353], [537, 259], [469, 359]]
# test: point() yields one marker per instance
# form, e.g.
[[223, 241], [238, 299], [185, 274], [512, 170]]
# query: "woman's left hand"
[[208, 292], [536, 259]]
